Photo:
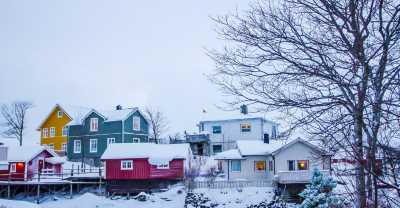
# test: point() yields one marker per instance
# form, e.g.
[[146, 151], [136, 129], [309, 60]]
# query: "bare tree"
[[158, 123], [331, 66], [14, 117]]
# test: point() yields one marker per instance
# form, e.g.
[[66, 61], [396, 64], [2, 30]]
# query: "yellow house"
[[54, 129]]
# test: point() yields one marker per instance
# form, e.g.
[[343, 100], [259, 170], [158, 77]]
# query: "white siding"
[[248, 171]]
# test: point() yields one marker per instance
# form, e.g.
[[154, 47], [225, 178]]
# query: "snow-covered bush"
[[319, 193]]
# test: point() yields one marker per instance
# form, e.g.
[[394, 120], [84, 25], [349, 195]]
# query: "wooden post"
[[38, 193], [70, 190]]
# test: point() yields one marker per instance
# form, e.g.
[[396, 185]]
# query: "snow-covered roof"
[[108, 115], [232, 154], [75, 113], [55, 160], [26, 152], [155, 153], [236, 119], [258, 147]]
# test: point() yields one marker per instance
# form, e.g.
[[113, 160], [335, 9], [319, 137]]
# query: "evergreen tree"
[[319, 194]]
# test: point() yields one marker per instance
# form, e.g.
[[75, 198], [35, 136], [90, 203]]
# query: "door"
[[200, 149], [40, 165]]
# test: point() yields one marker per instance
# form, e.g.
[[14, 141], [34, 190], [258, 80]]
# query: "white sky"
[[102, 53]]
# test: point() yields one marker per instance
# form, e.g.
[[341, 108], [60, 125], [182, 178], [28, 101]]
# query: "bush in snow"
[[319, 194]]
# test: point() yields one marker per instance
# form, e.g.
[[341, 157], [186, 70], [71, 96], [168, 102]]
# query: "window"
[[45, 132], [93, 145], [217, 148], [51, 146], [271, 165], [274, 132], [59, 114], [302, 164], [52, 132], [65, 131], [163, 166], [236, 165], [13, 167], [77, 146], [259, 165], [126, 165], [136, 140], [110, 140], [64, 147], [94, 124], [216, 129], [291, 165], [136, 123], [245, 127]]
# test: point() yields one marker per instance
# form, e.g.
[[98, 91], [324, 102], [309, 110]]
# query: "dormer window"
[[94, 124], [136, 123], [59, 114]]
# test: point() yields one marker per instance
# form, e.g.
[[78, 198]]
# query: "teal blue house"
[[89, 136]]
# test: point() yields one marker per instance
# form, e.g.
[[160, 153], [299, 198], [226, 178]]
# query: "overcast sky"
[[103, 53]]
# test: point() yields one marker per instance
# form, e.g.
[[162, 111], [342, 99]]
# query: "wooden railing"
[[298, 176]]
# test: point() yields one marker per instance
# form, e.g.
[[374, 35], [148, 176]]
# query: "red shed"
[[24, 162], [135, 161]]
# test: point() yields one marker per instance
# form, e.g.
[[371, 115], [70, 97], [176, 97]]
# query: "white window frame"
[[94, 141], [92, 121], [52, 131], [64, 147], [45, 132], [163, 166], [13, 167], [236, 171], [245, 124], [59, 114], [125, 163], [51, 146], [294, 165], [110, 140], [64, 131], [136, 140], [76, 150], [136, 119]]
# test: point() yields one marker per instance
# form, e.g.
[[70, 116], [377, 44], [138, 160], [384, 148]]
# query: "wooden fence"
[[227, 184]]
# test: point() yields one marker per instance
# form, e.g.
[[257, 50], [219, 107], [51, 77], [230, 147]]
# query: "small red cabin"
[[144, 164], [25, 162]]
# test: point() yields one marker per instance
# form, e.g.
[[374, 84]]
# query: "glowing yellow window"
[[260, 165], [302, 165]]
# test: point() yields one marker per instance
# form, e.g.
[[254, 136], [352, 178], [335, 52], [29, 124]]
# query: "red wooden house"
[[26, 162], [132, 167]]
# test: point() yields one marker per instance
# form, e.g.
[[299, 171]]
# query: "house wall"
[[122, 131], [53, 121], [248, 170], [142, 170], [297, 151], [33, 165], [20, 171]]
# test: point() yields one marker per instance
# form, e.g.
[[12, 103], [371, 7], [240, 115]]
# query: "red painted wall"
[[20, 173], [143, 170]]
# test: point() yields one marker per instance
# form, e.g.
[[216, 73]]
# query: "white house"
[[223, 134], [276, 161]]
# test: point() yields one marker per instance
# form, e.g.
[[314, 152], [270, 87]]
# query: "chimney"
[[118, 107], [243, 109], [266, 138], [3, 153]]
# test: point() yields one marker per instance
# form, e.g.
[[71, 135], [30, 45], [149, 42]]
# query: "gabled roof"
[[238, 118], [109, 115], [232, 154], [298, 140], [26, 153], [72, 112]]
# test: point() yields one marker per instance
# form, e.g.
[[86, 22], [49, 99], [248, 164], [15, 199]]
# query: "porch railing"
[[299, 176], [227, 184]]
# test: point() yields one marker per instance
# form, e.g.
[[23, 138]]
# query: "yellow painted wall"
[[58, 123]]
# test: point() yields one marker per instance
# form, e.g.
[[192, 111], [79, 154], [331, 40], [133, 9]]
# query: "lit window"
[[52, 132], [93, 145], [126, 165], [110, 140], [260, 165], [291, 165], [163, 166], [302, 164], [216, 129], [59, 114], [94, 124], [236, 165], [77, 146], [65, 131], [136, 123], [245, 127], [136, 140], [13, 168], [64, 147], [45, 132]]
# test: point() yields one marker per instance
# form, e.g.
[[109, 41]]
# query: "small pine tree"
[[319, 194]]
